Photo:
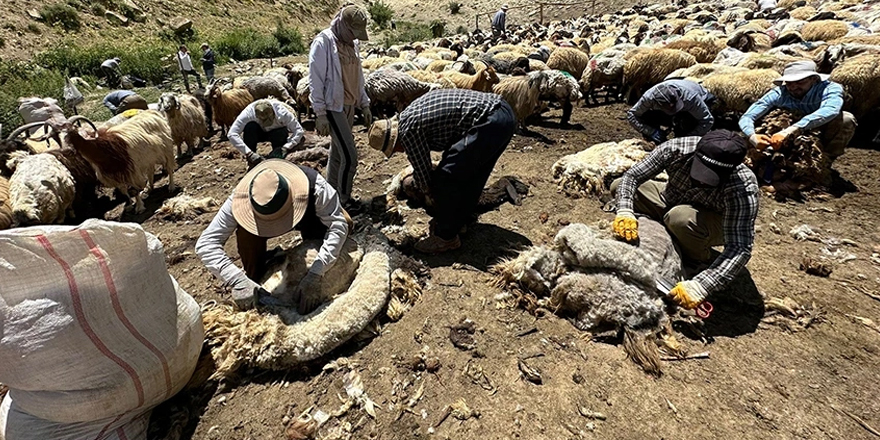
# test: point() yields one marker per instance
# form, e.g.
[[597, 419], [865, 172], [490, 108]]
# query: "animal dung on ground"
[[590, 171], [815, 267]]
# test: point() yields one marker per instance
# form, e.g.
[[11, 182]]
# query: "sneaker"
[[435, 245]]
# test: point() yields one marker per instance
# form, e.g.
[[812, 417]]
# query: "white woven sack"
[[92, 328]]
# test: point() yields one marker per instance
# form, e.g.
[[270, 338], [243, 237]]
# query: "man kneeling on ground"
[[711, 199], [261, 121], [272, 199]]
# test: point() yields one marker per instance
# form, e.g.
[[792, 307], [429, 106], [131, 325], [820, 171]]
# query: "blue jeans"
[[458, 180]]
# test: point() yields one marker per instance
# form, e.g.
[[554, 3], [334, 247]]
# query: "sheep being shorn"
[[186, 118], [600, 282], [125, 156], [590, 171], [801, 163]]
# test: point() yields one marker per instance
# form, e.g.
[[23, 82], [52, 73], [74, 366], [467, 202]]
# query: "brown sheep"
[[824, 30], [482, 81], [859, 76], [569, 59], [227, 105], [5, 206], [646, 69]]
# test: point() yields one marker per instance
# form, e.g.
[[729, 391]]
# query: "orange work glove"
[[778, 139], [625, 226], [688, 294]]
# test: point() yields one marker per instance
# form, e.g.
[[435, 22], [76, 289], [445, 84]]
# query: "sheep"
[[762, 61], [186, 118], [431, 77], [261, 87], [41, 191], [704, 49], [562, 88], [288, 75], [303, 92], [824, 30], [390, 87], [590, 171], [522, 93], [801, 162], [873, 39], [570, 60], [605, 69], [401, 66], [378, 63], [227, 105], [802, 13], [125, 156], [506, 65], [699, 71], [749, 40], [438, 65], [738, 90], [859, 77], [5, 204], [644, 70], [481, 81]]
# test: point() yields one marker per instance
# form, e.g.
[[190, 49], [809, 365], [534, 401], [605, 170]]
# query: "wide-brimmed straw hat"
[[798, 70], [383, 135], [271, 198]]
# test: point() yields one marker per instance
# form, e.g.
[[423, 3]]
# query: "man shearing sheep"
[[802, 89], [265, 120], [472, 129], [273, 198], [710, 199], [679, 104]]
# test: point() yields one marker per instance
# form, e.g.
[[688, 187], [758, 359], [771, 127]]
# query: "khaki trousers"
[[837, 133], [696, 229]]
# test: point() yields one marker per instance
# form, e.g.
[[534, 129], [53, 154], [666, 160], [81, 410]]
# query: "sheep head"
[[168, 101]]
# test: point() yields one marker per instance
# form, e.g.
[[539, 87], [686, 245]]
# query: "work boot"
[[435, 245]]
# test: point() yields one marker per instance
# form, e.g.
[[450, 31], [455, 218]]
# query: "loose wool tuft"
[[184, 207], [590, 171]]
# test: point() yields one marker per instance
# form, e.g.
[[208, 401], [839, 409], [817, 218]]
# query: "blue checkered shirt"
[[736, 200], [821, 104], [436, 121]]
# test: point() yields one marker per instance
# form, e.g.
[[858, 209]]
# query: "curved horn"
[[23, 128], [76, 118]]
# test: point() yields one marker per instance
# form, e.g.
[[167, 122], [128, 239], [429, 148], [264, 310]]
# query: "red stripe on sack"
[[121, 434], [83, 322], [112, 422], [114, 299]]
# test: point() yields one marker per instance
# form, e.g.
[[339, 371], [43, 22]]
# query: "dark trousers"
[[681, 123], [253, 134], [193, 72], [111, 76], [252, 248], [458, 180]]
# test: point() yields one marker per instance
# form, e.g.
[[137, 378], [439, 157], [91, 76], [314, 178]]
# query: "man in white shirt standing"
[[272, 199], [186, 66], [265, 120]]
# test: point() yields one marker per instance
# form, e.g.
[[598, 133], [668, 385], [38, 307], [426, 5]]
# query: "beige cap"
[[383, 135], [271, 199], [265, 112], [356, 19]]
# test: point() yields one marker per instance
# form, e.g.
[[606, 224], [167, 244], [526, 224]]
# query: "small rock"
[[577, 378], [34, 14], [116, 19], [432, 365], [180, 25]]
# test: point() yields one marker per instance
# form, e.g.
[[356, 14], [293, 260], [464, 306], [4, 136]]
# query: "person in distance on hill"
[[499, 21], [265, 120], [336, 90], [472, 129], [110, 69], [710, 199], [679, 104], [273, 198], [207, 62], [186, 66]]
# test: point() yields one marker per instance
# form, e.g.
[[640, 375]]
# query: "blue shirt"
[[499, 20], [821, 104], [113, 99]]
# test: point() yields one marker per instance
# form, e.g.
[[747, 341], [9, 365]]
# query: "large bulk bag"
[[94, 331]]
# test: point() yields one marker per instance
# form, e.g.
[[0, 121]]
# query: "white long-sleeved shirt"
[[326, 91], [283, 118], [184, 61], [209, 246]]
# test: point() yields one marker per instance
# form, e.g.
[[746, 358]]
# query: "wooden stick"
[[703, 355], [858, 420]]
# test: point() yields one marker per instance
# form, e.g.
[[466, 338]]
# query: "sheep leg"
[[139, 204], [169, 168]]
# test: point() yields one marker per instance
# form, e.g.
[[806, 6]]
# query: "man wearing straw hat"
[[272, 199], [472, 129], [804, 90]]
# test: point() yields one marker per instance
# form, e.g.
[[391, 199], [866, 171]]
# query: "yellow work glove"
[[688, 294], [778, 139], [625, 226]]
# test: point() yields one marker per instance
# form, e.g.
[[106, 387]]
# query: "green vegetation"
[[18, 80], [2, 42], [34, 29], [247, 43], [143, 60], [290, 40], [438, 28], [408, 32], [461, 30], [381, 14], [62, 15], [454, 7]]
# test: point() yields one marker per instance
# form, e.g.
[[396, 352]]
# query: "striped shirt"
[[436, 121], [821, 104], [736, 200]]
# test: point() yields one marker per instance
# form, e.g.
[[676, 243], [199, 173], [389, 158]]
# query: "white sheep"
[[261, 87], [5, 204], [387, 87], [186, 118], [590, 171], [41, 191]]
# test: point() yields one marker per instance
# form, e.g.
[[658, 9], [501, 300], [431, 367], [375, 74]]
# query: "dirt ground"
[[760, 381]]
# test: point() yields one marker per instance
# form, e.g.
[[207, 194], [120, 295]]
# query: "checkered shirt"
[[736, 200], [436, 121]]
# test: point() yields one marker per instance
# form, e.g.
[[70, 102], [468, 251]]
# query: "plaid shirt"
[[436, 121], [821, 104], [736, 200]]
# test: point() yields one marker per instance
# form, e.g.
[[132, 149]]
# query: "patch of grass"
[[247, 43], [381, 14], [290, 40], [62, 15], [98, 9], [461, 30], [408, 32], [34, 29], [2, 42], [454, 7], [438, 28], [19, 79], [143, 60]]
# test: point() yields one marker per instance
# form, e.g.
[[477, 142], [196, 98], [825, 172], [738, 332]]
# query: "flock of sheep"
[[732, 49]]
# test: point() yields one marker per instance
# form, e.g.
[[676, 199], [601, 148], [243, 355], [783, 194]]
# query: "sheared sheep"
[[5, 204], [590, 171], [646, 69], [390, 88], [125, 156], [186, 118], [227, 105], [184, 207], [41, 191], [738, 90], [570, 60], [605, 70]]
